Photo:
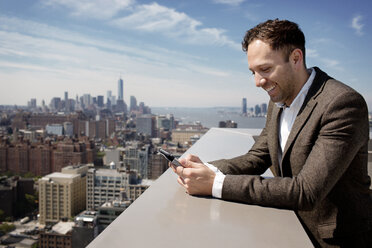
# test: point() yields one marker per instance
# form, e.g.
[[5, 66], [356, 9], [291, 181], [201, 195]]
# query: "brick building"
[[44, 158], [41, 159], [60, 236], [81, 125], [157, 166]]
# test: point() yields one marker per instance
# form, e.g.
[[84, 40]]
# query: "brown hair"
[[279, 34]]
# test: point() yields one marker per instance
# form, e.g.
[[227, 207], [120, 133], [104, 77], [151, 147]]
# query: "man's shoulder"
[[334, 89], [326, 85], [335, 86], [339, 96]]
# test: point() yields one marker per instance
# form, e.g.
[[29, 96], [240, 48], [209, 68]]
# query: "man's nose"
[[260, 81]]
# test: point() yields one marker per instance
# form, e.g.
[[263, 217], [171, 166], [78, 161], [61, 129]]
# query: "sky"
[[184, 53]]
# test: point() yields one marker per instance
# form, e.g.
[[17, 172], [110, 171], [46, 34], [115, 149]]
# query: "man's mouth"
[[271, 88]]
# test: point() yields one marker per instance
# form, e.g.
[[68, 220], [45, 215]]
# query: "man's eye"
[[265, 69]]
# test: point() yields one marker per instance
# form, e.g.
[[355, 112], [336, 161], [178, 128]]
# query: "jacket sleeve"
[[343, 131], [255, 162]]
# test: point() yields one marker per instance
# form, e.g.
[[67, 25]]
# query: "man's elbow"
[[307, 202]]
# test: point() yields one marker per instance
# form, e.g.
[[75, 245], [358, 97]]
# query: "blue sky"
[[169, 53]]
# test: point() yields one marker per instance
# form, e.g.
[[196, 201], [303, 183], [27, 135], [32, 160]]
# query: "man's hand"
[[194, 176]]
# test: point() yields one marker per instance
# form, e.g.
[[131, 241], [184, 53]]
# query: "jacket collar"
[[306, 109]]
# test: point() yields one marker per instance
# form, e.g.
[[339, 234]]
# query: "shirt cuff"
[[218, 181]]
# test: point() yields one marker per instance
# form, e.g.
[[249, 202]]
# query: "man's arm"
[[343, 132], [256, 161]]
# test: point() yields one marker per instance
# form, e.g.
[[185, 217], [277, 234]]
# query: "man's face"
[[272, 72]]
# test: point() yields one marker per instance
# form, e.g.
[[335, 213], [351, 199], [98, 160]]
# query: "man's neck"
[[303, 76]]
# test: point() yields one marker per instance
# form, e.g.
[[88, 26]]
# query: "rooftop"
[[174, 218], [63, 227], [106, 172], [59, 175]]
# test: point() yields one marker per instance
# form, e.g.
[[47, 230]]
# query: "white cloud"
[[95, 9], [311, 53], [331, 63], [152, 17], [106, 56], [31, 30], [156, 18], [229, 2], [28, 67], [357, 25], [43, 61]]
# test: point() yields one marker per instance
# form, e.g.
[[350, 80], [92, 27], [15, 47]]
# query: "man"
[[315, 141]]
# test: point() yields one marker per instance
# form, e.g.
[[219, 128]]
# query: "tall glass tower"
[[244, 106], [120, 89]]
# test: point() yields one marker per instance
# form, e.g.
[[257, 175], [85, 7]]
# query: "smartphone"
[[170, 158]]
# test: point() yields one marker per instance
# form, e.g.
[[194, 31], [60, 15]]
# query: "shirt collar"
[[305, 88]]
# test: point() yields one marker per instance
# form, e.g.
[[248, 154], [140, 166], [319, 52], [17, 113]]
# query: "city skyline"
[[169, 53], [101, 101]]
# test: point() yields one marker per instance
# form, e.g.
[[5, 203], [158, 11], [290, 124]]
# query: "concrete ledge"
[[165, 216]]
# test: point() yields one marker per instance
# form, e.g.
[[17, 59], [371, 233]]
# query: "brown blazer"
[[324, 174]]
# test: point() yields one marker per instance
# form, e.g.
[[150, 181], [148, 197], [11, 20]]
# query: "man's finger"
[[192, 164], [193, 158], [181, 181], [179, 171]]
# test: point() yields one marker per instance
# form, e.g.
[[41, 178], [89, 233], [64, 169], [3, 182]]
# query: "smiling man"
[[315, 141]]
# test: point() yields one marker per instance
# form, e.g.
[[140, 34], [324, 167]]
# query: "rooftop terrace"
[[165, 216]]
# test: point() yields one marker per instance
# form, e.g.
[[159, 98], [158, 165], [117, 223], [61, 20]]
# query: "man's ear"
[[296, 57]]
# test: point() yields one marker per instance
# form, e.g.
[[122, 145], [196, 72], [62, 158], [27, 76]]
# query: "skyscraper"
[[67, 105], [100, 101], [257, 110], [244, 106], [109, 100], [120, 89], [133, 103], [54, 103], [263, 108], [146, 125], [109, 94], [87, 100], [32, 103]]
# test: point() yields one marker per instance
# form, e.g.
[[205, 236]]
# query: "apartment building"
[[105, 185], [62, 194], [185, 136]]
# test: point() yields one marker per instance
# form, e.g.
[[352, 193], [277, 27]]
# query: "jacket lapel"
[[299, 123], [273, 139], [307, 108]]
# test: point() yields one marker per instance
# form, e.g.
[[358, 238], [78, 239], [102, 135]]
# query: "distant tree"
[[28, 175], [32, 201], [9, 174], [5, 227], [100, 154]]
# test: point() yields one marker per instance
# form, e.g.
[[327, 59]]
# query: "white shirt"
[[287, 119], [289, 114]]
